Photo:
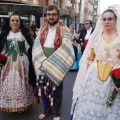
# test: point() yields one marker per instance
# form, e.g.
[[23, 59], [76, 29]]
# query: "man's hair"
[[89, 21], [52, 7]]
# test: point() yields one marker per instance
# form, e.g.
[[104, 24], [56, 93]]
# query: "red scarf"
[[58, 37]]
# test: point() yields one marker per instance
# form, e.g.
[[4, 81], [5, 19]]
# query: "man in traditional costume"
[[53, 55]]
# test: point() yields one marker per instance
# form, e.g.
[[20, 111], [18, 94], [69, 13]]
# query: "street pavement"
[[33, 113]]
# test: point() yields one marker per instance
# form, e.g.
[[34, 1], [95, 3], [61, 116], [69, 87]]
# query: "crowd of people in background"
[[81, 34], [32, 30], [2, 23]]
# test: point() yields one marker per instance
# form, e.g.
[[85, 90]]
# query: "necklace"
[[109, 39]]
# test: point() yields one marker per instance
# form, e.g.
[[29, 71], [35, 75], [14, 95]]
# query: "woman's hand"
[[117, 89], [73, 42]]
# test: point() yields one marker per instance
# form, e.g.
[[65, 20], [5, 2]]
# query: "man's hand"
[[82, 43], [0, 68]]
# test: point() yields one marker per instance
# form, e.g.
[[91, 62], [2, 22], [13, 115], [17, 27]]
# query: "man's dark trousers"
[[57, 102]]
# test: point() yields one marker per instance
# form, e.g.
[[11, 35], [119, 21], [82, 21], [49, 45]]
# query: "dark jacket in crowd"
[[82, 37]]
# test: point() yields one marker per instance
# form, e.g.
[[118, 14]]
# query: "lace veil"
[[84, 61]]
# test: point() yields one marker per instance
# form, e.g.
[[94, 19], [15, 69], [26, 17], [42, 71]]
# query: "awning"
[[31, 9], [21, 8]]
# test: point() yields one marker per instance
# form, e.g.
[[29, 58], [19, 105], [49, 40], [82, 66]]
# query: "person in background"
[[85, 34], [53, 55], [74, 39], [28, 28], [79, 32], [61, 21], [36, 32], [2, 23], [33, 26], [17, 78], [32, 36], [94, 83]]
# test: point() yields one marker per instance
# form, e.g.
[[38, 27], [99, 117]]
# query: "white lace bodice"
[[107, 53], [15, 37]]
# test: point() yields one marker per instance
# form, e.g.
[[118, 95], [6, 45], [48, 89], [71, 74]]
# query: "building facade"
[[117, 7], [35, 10], [89, 9]]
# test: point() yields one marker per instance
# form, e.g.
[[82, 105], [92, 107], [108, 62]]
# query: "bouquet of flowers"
[[3, 59], [115, 74]]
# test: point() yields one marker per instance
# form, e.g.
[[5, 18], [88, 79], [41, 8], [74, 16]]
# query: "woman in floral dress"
[[17, 78]]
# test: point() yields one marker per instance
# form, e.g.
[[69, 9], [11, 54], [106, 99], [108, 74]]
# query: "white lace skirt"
[[92, 101], [16, 95]]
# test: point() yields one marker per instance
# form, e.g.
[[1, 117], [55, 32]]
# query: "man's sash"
[[85, 42], [57, 65]]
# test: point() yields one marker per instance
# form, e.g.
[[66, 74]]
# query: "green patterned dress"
[[16, 95]]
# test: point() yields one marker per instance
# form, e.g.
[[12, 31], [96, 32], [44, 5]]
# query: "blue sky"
[[105, 3]]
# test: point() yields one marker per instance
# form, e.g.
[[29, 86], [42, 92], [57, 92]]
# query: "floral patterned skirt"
[[16, 95]]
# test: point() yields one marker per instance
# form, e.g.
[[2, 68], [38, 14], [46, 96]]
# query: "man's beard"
[[54, 23]]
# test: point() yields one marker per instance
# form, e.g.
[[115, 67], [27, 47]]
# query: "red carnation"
[[3, 57], [116, 72]]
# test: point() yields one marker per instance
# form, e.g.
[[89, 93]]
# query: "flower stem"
[[112, 97]]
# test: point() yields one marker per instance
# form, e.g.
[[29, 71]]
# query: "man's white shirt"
[[88, 33], [50, 37]]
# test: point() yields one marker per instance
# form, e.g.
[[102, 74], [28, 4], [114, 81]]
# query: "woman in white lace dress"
[[17, 75], [93, 84]]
